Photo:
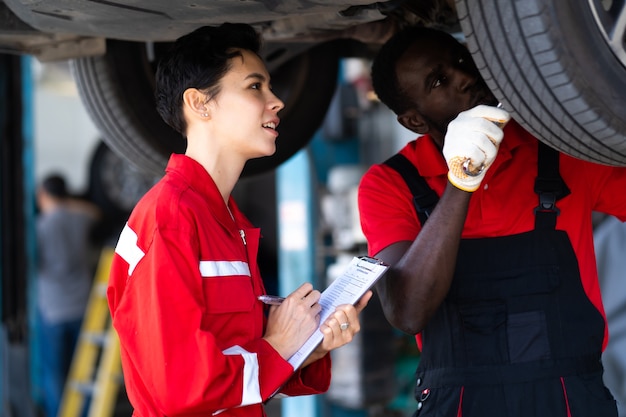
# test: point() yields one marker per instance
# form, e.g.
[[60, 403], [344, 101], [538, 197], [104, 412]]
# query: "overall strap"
[[549, 186], [424, 198]]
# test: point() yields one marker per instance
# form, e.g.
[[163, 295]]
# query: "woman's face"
[[244, 114]]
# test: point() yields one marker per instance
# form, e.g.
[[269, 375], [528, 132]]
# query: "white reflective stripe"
[[251, 391], [210, 269], [128, 249]]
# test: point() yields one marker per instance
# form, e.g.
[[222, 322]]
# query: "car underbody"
[[559, 67]]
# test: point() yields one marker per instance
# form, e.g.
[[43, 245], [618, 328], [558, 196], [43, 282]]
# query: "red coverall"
[[183, 296]]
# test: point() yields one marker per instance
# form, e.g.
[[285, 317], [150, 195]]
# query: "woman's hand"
[[339, 328], [291, 323]]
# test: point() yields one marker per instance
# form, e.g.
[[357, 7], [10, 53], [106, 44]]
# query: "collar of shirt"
[[194, 174]]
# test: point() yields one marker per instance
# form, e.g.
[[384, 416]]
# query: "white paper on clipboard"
[[360, 275]]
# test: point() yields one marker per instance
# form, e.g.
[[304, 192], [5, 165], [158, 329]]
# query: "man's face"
[[441, 80]]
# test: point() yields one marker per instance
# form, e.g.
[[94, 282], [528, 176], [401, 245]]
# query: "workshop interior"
[[306, 209]]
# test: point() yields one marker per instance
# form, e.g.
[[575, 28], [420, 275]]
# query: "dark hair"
[[384, 75], [54, 184], [199, 60]]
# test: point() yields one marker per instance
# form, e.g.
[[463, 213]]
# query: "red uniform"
[[183, 296], [504, 203]]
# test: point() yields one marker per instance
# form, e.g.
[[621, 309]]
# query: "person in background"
[[65, 268], [610, 245], [489, 236], [184, 282]]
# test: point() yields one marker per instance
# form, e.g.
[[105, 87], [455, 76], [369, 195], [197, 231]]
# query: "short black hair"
[[384, 76], [54, 185], [198, 60]]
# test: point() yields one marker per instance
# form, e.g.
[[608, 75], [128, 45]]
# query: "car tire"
[[549, 64], [117, 90], [115, 186]]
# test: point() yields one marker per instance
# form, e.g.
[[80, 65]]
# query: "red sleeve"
[[313, 379], [158, 313], [386, 210], [606, 185]]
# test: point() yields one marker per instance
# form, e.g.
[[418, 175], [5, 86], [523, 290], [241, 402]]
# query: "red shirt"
[[504, 203], [183, 296]]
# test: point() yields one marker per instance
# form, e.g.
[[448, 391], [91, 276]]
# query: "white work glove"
[[471, 144]]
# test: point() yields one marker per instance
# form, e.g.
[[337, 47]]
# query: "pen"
[[273, 300]]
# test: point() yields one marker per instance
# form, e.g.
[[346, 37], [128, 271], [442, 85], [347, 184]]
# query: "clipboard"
[[358, 277]]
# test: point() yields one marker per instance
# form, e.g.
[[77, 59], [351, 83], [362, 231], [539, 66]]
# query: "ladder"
[[95, 374]]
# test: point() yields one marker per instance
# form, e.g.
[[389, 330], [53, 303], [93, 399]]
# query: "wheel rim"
[[610, 16]]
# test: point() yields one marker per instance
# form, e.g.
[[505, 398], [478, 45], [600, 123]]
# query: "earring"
[[205, 114]]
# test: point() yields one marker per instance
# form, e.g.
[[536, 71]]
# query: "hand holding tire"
[[471, 145]]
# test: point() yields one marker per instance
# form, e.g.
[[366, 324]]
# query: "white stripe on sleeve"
[[213, 269], [128, 249], [251, 391]]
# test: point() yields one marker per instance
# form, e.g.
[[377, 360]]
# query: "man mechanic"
[[489, 235]]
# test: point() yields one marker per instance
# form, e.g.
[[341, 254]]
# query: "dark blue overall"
[[516, 334]]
